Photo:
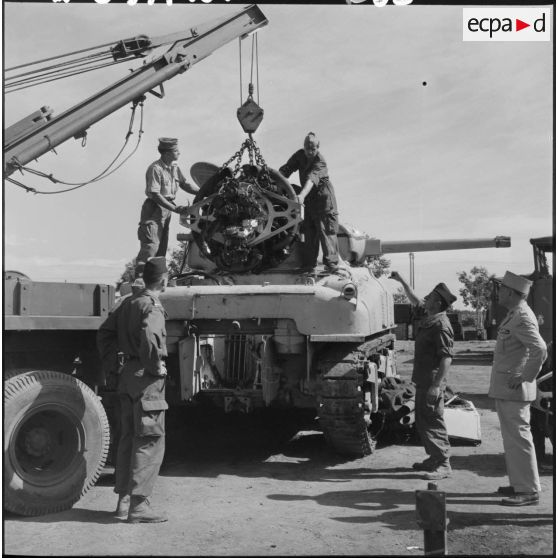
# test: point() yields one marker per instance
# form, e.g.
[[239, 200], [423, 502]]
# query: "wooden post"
[[431, 517]]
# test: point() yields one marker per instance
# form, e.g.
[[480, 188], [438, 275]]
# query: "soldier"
[[519, 354], [433, 356], [163, 177], [136, 328], [320, 214]]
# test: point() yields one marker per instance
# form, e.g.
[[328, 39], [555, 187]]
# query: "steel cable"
[[102, 175]]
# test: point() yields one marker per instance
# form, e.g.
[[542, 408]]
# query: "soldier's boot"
[[123, 506], [141, 512], [429, 464]]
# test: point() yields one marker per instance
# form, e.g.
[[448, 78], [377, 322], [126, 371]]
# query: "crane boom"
[[46, 133]]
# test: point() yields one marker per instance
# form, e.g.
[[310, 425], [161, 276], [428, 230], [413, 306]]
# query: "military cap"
[[154, 269], [167, 144], [442, 290], [516, 283], [311, 139]]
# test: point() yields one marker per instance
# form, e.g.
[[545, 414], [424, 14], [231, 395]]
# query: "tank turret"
[[279, 339]]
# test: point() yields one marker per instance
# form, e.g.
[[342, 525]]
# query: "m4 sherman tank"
[[247, 330]]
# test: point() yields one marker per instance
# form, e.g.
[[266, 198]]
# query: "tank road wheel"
[[341, 411], [56, 440]]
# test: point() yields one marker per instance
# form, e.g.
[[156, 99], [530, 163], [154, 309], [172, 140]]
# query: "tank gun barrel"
[[400, 246], [377, 247]]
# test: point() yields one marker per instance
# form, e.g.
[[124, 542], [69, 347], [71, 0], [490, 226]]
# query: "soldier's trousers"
[[153, 233], [430, 425], [320, 229], [519, 451], [140, 453]]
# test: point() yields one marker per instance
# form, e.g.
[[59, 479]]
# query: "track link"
[[344, 420], [341, 411]]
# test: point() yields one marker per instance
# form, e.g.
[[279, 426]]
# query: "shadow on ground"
[[74, 515], [389, 502]]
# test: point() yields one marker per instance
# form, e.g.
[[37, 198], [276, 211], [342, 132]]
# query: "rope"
[[102, 175]]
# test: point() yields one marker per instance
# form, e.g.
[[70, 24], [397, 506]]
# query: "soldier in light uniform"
[[163, 178], [519, 354], [136, 328]]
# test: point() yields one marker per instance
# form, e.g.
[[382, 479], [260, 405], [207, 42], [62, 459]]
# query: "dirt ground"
[[231, 490]]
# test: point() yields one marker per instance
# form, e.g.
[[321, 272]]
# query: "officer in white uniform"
[[519, 354]]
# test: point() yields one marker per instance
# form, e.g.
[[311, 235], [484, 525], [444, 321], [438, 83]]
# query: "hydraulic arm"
[[39, 133]]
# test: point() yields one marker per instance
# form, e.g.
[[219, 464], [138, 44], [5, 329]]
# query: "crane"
[[41, 132]]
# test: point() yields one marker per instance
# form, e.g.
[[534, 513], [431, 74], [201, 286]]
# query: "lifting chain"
[[255, 158]]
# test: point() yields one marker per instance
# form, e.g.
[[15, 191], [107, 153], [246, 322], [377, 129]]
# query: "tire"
[[56, 440]]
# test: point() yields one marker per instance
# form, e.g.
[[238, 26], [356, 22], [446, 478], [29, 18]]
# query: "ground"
[[231, 490]]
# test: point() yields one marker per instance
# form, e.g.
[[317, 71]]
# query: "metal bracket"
[[159, 95]]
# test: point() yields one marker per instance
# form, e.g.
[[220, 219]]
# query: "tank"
[[249, 332]]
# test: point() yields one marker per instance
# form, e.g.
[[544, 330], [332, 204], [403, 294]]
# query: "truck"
[[541, 295], [248, 331], [56, 430]]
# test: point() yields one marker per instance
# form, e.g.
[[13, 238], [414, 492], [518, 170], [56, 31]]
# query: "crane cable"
[[26, 65], [254, 53], [41, 74], [255, 50], [74, 65], [48, 76], [102, 175]]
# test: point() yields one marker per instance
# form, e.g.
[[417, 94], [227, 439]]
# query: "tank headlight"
[[349, 291]]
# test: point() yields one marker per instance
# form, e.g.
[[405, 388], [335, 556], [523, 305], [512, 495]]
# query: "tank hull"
[[283, 342]]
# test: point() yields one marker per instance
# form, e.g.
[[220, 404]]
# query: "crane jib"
[[177, 59]]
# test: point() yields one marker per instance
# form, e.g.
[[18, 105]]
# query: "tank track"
[[341, 412]]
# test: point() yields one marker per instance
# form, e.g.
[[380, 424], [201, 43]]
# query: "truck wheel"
[[56, 440]]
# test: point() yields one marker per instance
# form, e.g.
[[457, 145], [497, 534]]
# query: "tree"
[[127, 275], [174, 265], [476, 291], [399, 297], [176, 258], [378, 265]]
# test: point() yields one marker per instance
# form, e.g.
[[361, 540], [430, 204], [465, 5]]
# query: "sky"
[[425, 136]]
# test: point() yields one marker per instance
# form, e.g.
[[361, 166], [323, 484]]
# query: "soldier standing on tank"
[[163, 178], [518, 356], [136, 328], [320, 206], [432, 360]]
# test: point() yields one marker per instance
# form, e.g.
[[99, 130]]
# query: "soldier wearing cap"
[[433, 356], [136, 328], [320, 215], [518, 356], [163, 178]]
